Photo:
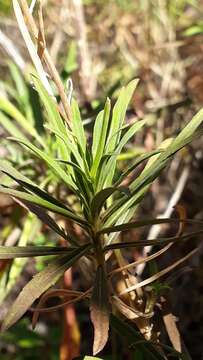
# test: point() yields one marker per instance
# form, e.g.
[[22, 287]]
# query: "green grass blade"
[[13, 112], [71, 147], [22, 92], [8, 125]]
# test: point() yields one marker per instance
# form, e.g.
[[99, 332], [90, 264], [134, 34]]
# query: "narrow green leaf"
[[53, 164], [158, 241], [107, 172], [44, 217], [22, 92], [119, 112], [40, 283], [152, 170], [76, 168], [53, 115], [10, 171], [44, 203], [12, 252], [99, 137], [96, 132], [100, 198], [134, 128], [70, 145], [77, 125], [140, 159], [147, 222], [50, 106]]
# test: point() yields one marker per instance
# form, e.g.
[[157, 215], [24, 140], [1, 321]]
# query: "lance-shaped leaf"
[[141, 184], [40, 283], [53, 117], [99, 137], [81, 178], [108, 171], [99, 310], [44, 217], [140, 159], [34, 199], [77, 125], [71, 145], [158, 241], [29, 185], [50, 106], [119, 112], [12, 252], [100, 198], [53, 164], [147, 222]]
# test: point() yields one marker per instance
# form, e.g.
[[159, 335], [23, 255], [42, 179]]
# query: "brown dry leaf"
[[99, 310], [171, 327], [182, 215], [128, 311], [172, 330]]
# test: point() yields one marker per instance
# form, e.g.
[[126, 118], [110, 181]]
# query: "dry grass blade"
[[30, 46], [160, 273], [52, 69], [141, 261], [128, 311], [77, 296], [41, 42], [182, 216]]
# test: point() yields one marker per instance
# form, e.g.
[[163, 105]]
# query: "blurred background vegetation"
[[102, 45]]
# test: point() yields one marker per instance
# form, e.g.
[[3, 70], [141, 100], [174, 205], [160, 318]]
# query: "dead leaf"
[[99, 310]]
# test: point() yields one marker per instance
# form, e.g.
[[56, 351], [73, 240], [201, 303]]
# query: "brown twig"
[[52, 69]]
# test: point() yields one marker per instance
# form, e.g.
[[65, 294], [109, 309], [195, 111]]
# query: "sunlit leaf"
[[99, 137], [77, 125]]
